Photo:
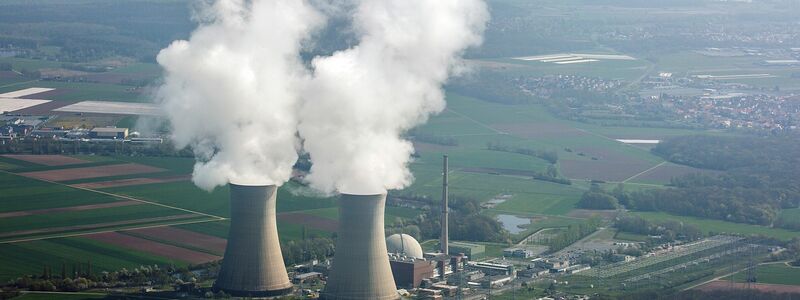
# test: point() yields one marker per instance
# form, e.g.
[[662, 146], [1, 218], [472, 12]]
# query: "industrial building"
[[469, 249], [361, 268], [518, 253], [253, 265], [409, 272], [108, 133], [409, 267], [492, 269]]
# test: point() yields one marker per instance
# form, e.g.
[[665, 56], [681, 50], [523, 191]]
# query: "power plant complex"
[[366, 264]]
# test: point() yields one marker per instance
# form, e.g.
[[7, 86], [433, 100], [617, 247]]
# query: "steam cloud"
[[238, 93], [231, 91], [363, 99]]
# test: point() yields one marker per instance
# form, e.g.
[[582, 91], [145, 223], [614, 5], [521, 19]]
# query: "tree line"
[[759, 176]]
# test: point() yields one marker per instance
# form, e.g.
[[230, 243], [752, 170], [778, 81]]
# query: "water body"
[[512, 223]]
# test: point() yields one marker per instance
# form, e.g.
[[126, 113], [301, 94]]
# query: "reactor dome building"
[[405, 245]]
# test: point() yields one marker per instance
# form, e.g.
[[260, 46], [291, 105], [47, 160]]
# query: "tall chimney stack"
[[444, 239], [361, 269], [253, 264]]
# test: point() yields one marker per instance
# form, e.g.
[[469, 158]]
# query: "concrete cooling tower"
[[253, 264], [361, 267]]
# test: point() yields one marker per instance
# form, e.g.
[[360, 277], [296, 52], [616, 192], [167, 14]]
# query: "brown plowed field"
[[47, 160], [666, 172], [130, 182], [539, 130], [310, 221], [92, 172], [764, 287], [93, 226], [185, 237], [155, 248], [44, 108], [602, 170], [66, 209], [48, 95]]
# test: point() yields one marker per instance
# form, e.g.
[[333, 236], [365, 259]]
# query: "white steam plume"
[[362, 100], [231, 91]]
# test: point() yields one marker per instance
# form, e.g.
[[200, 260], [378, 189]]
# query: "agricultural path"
[[214, 218]]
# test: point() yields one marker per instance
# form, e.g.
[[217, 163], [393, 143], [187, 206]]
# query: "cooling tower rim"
[[251, 184], [363, 194]]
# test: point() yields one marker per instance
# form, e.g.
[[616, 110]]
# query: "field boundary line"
[[18, 83], [645, 171], [66, 235], [476, 122], [119, 196]]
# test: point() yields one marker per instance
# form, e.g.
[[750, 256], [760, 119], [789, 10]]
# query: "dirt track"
[[91, 172], [93, 226], [47, 160], [129, 182], [66, 209], [185, 237]]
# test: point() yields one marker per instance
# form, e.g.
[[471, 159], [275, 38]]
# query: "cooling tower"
[[361, 269], [253, 265]]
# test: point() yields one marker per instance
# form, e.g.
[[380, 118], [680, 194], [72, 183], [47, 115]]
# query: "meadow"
[[773, 273], [710, 226], [32, 257]]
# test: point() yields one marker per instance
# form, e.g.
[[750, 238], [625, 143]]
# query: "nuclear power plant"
[[361, 269], [253, 264]]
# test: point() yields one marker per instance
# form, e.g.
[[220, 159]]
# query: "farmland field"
[[718, 226], [31, 257], [774, 273]]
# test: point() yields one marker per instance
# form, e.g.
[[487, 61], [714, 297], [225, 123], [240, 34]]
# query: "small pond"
[[512, 223]]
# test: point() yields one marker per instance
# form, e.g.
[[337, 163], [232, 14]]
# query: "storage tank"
[[361, 269], [253, 264]]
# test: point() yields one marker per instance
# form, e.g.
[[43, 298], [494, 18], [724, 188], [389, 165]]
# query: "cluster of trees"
[[758, 178], [597, 198], [548, 155], [465, 223], [571, 234], [50, 146], [299, 251], [92, 30], [81, 277]]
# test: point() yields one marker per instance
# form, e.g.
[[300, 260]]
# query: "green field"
[[717, 226], [627, 236], [86, 217], [775, 273], [791, 215], [31, 257], [21, 193]]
